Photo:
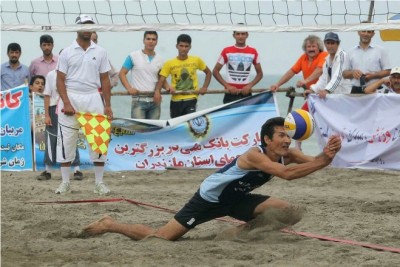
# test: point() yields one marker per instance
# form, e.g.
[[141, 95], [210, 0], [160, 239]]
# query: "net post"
[[291, 93]]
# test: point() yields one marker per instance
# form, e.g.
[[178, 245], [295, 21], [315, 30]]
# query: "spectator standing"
[[238, 59], [144, 66], [310, 64], [331, 80], [47, 62], [13, 73], [183, 70], [366, 63], [82, 68]]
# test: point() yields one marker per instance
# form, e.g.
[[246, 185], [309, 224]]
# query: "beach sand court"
[[357, 205]]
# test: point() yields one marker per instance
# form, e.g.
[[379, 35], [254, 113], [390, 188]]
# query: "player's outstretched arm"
[[254, 159]]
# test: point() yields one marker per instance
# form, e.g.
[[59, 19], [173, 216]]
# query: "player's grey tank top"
[[230, 183]]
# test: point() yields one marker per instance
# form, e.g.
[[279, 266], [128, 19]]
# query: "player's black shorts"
[[198, 210]]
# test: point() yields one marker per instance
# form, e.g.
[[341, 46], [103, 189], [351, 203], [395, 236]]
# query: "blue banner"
[[206, 139], [16, 136]]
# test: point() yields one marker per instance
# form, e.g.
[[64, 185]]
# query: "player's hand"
[[171, 90], [307, 92], [357, 74], [108, 112], [274, 87], [157, 97], [47, 120], [202, 90], [386, 82], [246, 90], [301, 83], [369, 76], [231, 89], [322, 93], [333, 146], [68, 109], [133, 91]]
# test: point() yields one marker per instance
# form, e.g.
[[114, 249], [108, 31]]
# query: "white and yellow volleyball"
[[299, 124]]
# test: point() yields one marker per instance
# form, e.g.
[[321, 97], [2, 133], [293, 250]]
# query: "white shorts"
[[68, 126]]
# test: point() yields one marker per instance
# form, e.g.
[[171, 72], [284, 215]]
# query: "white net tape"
[[201, 15]]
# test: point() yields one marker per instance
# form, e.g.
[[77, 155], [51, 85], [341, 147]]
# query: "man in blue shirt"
[[13, 73]]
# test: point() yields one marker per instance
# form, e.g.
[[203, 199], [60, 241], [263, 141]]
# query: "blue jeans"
[[145, 110]]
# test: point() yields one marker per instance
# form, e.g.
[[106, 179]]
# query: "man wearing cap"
[[82, 69], [331, 80], [388, 85], [47, 62], [366, 63]]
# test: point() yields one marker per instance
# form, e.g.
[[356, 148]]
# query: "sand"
[[356, 205]]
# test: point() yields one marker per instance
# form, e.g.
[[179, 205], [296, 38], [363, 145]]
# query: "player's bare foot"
[[99, 227]]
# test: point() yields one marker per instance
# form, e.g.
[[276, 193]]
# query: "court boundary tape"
[[305, 234]]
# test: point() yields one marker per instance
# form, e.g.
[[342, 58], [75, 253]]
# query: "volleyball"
[[299, 124]]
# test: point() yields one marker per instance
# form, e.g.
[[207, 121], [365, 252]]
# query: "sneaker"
[[44, 176], [78, 175], [63, 188], [101, 189]]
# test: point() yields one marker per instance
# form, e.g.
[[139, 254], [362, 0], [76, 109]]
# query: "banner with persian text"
[[205, 139], [369, 126], [16, 140], [209, 138]]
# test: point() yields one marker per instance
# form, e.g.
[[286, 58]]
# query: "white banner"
[[369, 126]]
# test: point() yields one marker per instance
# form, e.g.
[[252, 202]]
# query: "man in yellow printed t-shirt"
[[184, 80]]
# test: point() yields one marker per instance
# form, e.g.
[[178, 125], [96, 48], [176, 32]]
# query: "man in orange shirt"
[[310, 64]]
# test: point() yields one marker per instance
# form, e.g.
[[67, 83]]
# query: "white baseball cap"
[[83, 19], [395, 70]]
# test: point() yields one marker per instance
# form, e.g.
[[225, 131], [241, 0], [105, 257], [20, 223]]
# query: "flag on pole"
[[97, 129]]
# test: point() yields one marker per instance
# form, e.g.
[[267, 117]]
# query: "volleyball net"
[[205, 15]]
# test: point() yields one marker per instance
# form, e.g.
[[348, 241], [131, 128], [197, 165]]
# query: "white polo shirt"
[[83, 68], [372, 59], [50, 88], [144, 74]]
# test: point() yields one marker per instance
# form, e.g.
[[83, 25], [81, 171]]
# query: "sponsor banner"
[[15, 132], [369, 126], [205, 139]]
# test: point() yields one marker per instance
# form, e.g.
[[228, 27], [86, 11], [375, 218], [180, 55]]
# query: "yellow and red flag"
[[97, 129]]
